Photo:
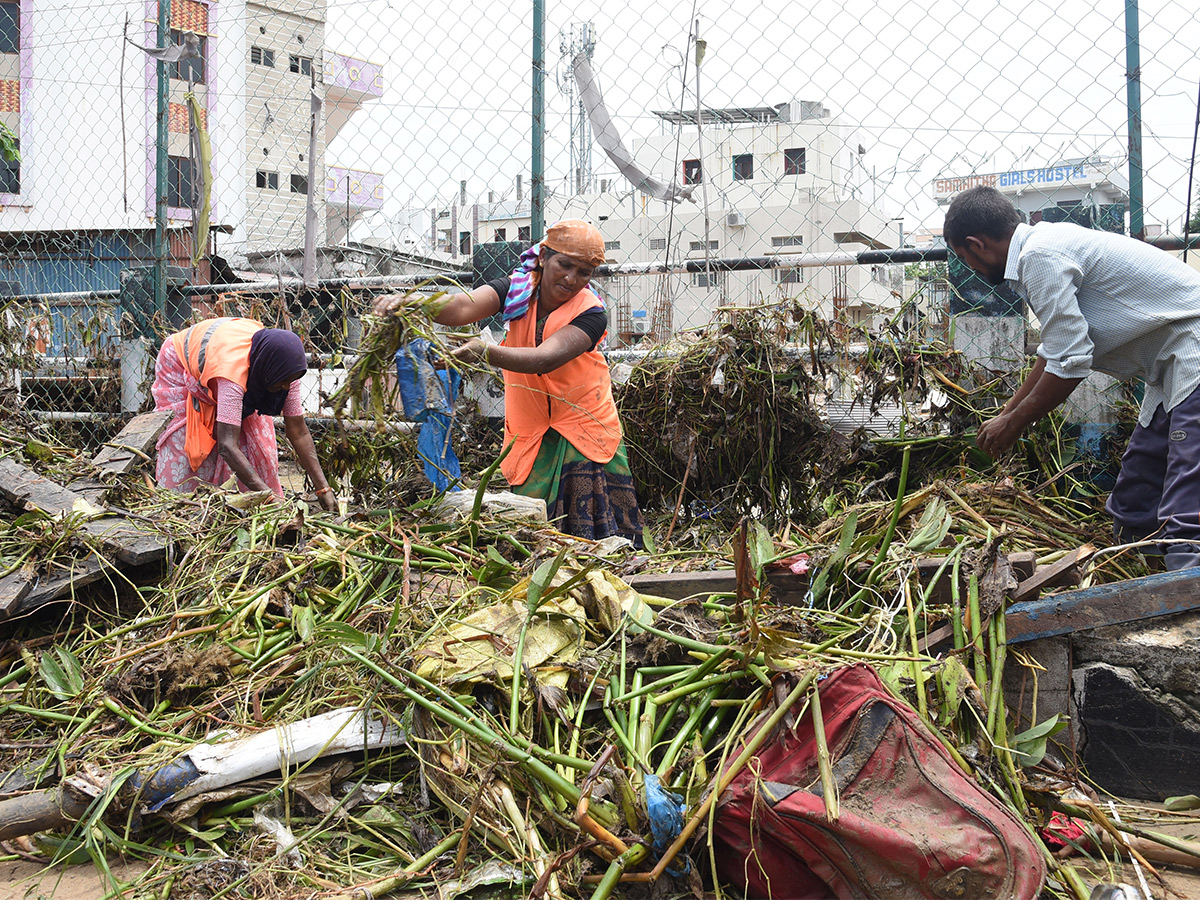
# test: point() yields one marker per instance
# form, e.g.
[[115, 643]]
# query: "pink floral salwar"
[[173, 388]]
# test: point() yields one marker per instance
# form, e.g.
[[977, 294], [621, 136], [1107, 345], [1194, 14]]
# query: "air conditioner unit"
[[640, 322], [735, 220]]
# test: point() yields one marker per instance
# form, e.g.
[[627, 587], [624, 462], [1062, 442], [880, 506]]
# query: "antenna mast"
[[581, 38]]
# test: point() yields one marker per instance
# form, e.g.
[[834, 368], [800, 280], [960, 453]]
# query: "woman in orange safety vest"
[[226, 379], [559, 413]]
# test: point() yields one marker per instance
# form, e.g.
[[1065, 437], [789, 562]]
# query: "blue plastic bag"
[[424, 389], [428, 395], [665, 810]]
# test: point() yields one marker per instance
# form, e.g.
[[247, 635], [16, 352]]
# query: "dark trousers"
[[1158, 490]]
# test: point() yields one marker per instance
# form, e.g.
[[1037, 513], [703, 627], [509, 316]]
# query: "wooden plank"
[[25, 487], [129, 543], [134, 443], [93, 491], [59, 585], [935, 637], [1060, 572], [1023, 564], [786, 588], [1106, 604], [14, 587]]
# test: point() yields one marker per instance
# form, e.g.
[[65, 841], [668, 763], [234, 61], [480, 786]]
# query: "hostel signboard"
[[1046, 180]]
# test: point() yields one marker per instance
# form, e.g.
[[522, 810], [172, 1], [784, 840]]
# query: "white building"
[[1089, 190], [768, 180], [80, 206]]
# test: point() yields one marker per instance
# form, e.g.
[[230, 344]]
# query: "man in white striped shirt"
[[1117, 305]]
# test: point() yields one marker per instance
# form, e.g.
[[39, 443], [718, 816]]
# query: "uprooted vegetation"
[[505, 693]]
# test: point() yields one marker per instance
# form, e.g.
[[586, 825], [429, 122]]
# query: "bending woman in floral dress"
[[225, 379]]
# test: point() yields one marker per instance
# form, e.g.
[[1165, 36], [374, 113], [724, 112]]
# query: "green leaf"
[[1179, 804], [543, 577], [39, 450], [761, 546], [61, 673], [1029, 747], [953, 681], [932, 529], [303, 622], [833, 566], [341, 633], [1046, 729]]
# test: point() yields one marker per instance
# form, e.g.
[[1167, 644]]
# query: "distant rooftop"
[[792, 111]]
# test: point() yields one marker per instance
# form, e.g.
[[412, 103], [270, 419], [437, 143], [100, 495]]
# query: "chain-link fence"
[[303, 156]]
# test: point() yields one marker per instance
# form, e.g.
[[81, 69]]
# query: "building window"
[[743, 167], [793, 275], [706, 279], [181, 188], [299, 184], [523, 232], [268, 180], [691, 171], [10, 27], [464, 243], [193, 67], [658, 243], [501, 234], [10, 174], [612, 245], [788, 240], [699, 245], [301, 65], [793, 161], [260, 56]]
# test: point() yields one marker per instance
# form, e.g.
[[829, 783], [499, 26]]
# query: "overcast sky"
[[932, 88]]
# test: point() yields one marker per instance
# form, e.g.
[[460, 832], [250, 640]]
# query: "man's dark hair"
[[980, 211]]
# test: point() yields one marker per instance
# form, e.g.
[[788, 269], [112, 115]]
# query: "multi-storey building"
[[766, 182], [81, 96]]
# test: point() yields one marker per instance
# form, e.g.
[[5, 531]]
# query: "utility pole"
[[160, 164], [537, 180], [310, 207]]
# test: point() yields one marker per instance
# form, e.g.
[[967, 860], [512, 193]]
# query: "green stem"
[[612, 875]]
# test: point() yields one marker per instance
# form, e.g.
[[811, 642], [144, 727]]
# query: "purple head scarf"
[[276, 355]]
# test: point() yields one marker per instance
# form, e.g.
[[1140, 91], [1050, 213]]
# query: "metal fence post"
[[160, 163], [537, 179], [1133, 93]]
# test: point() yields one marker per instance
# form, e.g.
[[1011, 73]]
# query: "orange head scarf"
[[578, 239], [573, 237]]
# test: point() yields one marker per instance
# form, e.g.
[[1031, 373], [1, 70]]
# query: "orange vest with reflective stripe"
[[575, 399], [214, 348]]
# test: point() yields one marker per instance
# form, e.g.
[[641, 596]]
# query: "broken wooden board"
[[65, 582], [131, 544], [14, 587], [1023, 564], [56, 586], [1058, 573], [789, 588], [785, 586], [135, 442], [25, 487], [1105, 604]]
